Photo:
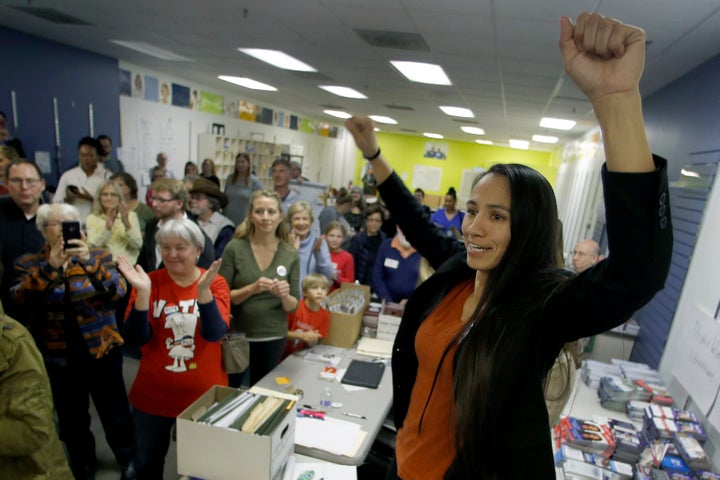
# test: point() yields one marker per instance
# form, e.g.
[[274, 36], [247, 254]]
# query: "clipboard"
[[364, 374]]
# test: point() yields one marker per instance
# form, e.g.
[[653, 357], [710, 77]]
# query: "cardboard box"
[[345, 327], [216, 453], [387, 327]]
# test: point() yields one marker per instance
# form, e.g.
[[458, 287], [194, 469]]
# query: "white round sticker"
[[281, 270]]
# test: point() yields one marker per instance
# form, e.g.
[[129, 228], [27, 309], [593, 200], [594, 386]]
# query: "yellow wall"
[[405, 151]]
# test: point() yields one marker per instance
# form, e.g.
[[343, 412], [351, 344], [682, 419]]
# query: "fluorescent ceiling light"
[[473, 130], [433, 135], [383, 119], [457, 112], [483, 142], [544, 139], [337, 113], [152, 50], [422, 72], [557, 123], [346, 92], [248, 83], [689, 173], [278, 59], [519, 144]]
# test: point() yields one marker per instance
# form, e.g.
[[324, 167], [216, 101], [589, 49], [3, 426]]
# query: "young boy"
[[310, 321], [344, 264]]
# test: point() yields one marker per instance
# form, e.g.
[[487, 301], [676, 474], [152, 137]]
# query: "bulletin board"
[[427, 178]]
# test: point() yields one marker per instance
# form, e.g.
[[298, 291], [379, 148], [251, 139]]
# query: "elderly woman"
[[262, 268], [239, 185], [67, 292], [313, 250], [112, 224], [178, 315]]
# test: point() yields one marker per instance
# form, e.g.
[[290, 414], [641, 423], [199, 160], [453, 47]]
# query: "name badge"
[[392, 263]]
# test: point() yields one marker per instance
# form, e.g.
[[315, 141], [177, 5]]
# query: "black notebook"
[[364, 374]]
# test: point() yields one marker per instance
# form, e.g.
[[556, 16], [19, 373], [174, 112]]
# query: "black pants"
[[264, 356], [73, 382], [392, 470]]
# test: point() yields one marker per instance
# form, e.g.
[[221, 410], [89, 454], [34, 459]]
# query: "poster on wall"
[[125, 83], [212, 103], [435, 150], [151, 88], [248, 111], [427, 178], [165, 97], [138, 86], [180, 95]]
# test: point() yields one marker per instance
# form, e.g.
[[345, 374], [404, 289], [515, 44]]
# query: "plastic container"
[[326, 399]]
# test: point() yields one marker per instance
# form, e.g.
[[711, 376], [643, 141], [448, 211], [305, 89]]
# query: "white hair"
[[63, 210], [182, 228]]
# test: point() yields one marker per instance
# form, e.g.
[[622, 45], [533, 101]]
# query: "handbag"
[[235, 353]]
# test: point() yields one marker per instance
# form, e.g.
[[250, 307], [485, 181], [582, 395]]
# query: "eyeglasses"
[[162, 200], [18, 182], [109, 194]]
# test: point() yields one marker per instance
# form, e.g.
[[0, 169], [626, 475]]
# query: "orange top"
[[428, 452]]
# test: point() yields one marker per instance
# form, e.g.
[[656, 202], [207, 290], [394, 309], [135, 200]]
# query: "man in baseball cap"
[[206, 201]]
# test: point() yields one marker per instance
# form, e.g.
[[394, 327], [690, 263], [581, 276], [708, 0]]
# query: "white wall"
[[148, 127]]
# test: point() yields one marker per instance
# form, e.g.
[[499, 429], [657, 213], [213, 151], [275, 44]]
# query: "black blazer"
[[148, 259], [640, 238]]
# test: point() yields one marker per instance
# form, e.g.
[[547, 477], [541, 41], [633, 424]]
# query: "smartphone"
[[70, 231]]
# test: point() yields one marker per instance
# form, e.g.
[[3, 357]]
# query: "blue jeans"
[[264, 356], [152, 437]]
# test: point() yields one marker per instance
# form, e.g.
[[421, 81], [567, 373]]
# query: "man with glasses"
[[585, 255], [19, 235], [168, 201], [78, 186]]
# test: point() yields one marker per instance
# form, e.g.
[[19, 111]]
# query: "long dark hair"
[[235, 174], [514, 291]]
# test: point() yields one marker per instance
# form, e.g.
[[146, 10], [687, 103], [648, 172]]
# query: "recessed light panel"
[[472, 130], [248, 83], [519, 144], [457, 111], [433, 135], [483, 142], [346, 92], [384, 119], [422, 72], [278, 59], [544, 139], [557, 123], [337, 113]]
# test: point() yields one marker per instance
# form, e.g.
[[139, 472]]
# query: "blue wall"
[[684, 117], [683, 124], [38, 70]]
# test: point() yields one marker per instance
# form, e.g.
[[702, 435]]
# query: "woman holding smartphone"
[[67, 291]]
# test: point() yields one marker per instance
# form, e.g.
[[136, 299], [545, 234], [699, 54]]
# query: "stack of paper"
[[298, 468], [332, 435], [372, 347]]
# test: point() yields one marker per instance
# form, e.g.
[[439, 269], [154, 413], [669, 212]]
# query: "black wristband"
[[377, 154]]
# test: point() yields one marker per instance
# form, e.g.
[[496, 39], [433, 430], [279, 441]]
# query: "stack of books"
[[592, 371], [692, 452], [587, 435], [628, 442], [615, 392], [574, 462], [663, 422]]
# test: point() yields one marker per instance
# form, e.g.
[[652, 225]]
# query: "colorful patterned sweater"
[[64, 304]]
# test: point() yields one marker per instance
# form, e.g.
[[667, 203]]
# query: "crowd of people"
[[168, 280]]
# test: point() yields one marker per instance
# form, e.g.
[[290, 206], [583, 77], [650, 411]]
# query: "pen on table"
[[354, 415]]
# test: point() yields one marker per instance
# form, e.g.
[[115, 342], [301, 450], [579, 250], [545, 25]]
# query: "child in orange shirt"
[[310, 321], [344, 263]]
